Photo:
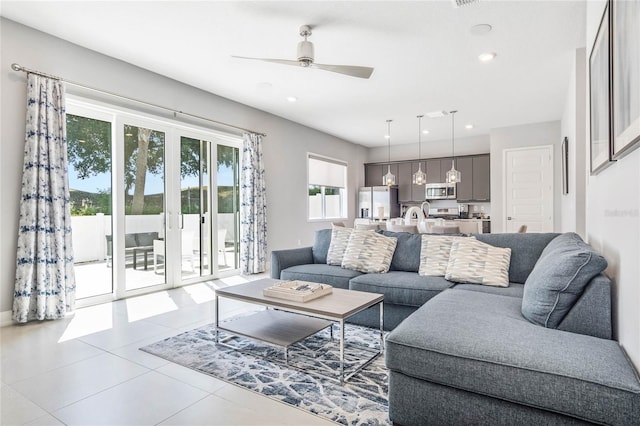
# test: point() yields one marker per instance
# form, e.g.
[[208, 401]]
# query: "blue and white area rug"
[[260, 367]]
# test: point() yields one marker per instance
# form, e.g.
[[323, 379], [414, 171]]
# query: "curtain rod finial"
[[16, 67]]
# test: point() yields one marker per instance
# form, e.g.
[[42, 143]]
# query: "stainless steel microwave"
[[440, 191]]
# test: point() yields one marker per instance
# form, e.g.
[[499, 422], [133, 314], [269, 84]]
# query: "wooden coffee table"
[[289, 322]]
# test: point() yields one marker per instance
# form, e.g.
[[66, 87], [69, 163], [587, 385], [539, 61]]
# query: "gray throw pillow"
[[558, 279]]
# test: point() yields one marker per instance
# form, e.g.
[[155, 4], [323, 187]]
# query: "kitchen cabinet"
[[403, 179], [433, 170], [373, 173], [481, 178], [407, 191], [476, 178], [464, 189], [417, 191], [445, 166]]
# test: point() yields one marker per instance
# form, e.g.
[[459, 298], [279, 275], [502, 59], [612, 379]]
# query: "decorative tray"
[[298, 291]]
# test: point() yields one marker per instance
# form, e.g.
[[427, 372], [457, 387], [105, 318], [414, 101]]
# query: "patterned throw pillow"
[[434, 254], [369, 252], [472, 261], [339, 240]]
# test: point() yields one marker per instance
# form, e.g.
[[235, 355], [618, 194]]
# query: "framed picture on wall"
[[625, 57], [600, 97], [565, 165]]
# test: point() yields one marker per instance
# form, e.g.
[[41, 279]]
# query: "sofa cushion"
[[480, 343], [434, 254], [407, 254], [368, 251], [525, 251], [472, 261], [514, 289], [338, 245], [319, 273], [565, 267], [401, 288], [321, 245]]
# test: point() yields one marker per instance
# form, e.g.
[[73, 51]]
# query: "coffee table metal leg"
[[381, 327], [216, 314], [341, 351]]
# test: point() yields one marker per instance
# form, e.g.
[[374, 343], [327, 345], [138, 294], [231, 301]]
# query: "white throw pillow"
[[339, 239], [434, 254], [472, 261], [369, 252]]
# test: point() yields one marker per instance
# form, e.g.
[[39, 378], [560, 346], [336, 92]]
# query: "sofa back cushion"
[[525, 251], [558, 279], [321, 245], [407, 255]]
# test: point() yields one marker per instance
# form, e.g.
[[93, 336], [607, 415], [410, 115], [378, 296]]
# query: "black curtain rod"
[[17, 67]]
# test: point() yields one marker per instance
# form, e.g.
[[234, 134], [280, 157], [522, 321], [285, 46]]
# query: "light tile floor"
[[87, 370]]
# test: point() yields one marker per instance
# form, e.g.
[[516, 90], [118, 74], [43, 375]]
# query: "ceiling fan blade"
[[351, 70], [275, 61]]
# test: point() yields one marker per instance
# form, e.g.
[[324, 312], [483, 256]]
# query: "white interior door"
[[528, 177]]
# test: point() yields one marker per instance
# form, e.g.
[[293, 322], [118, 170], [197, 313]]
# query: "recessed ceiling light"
[[468, 126], [426, 132], [487, 56], [292, 98], [481, 29], [387, 136]]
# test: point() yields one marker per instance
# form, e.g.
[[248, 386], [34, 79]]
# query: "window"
[[327, 182]]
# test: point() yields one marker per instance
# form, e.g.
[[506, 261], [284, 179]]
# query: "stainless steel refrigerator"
[[378, 202]]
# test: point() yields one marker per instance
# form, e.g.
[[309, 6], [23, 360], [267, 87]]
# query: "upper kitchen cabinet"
[[476, 176], [417, 191], [407, 191], [464, 189], [433, 170], [373, 173], [445, 166], [403, 179], [481, 178]]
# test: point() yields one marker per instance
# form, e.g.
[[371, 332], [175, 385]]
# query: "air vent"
[[460, 3]]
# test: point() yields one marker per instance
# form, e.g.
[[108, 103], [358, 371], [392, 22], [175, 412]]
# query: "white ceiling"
[[425, 57]]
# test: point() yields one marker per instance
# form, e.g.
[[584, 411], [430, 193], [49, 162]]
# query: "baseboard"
[[5, 318]]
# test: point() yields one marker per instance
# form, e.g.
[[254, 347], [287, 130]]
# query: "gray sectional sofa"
[[465, 353]]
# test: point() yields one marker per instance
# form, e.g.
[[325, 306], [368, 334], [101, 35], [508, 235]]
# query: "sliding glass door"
[[154, 203]]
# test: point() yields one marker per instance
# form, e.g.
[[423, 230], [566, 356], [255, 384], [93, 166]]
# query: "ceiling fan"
[[305, 59]]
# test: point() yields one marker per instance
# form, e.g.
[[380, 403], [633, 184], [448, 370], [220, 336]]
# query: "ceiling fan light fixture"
[[389, 179], [419, 177]]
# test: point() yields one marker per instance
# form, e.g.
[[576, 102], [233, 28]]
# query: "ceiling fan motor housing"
[[305, 53]]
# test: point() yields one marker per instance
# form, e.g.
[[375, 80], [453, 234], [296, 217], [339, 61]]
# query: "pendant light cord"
[[389, 141], [420, 137]]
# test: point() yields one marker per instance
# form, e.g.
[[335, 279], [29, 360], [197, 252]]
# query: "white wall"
[[573, 204], [430, 149], [526, 135], [285, 147], [613, 222]]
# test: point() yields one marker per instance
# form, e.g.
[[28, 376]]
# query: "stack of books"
[[298, 291]]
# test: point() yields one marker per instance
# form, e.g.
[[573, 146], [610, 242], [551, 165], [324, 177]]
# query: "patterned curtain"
[[253, 207], [45, 280]]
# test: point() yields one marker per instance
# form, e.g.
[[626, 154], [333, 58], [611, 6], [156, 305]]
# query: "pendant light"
[[389, 179], [453, 175], [419, 177]]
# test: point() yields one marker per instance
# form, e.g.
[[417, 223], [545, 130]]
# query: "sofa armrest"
[[283, 259], [591, 314]]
